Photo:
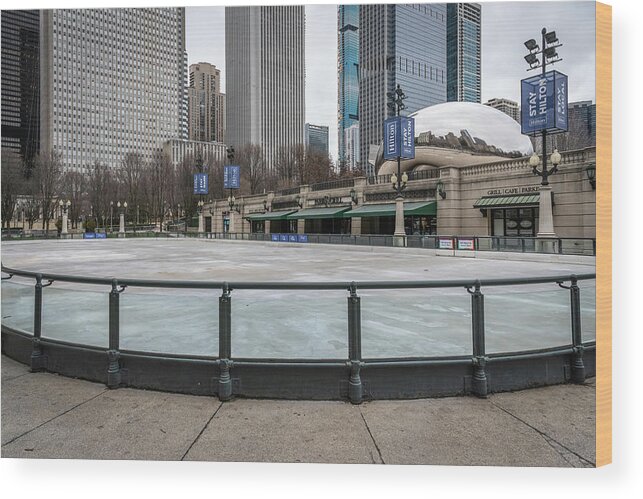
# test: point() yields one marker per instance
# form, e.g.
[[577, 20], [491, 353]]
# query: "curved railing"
[[354, 377]]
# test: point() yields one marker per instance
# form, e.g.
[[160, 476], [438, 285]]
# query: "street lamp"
[[396, 104], [439, 187], [354, 198], [548, 53], [200, 212], [111, 216]]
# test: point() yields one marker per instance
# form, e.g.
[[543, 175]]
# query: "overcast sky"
[[505, 26]]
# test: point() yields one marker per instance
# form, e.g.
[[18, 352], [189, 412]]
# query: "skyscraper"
[[206, 104], [509, 107], [464, 52], [351, 144], [112, 81], [347, 76], [399, 44], [265, 77], [20, 88], [316, 137]]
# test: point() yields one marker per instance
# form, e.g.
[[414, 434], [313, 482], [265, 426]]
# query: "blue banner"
[[101, 235], [200, 183], [89, 235], [302, 238], [231, 177], [283, 237], [275, 237], [408, 138], [543, 100], [392, 138]]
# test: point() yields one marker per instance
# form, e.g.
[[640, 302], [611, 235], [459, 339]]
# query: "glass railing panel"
[[290, 324], [76, 314], [415, 323], [17, 304], [171, 321]]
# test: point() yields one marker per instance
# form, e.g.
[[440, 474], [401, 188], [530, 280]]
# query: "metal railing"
[[561, 246], [354, 361], [333, 184]]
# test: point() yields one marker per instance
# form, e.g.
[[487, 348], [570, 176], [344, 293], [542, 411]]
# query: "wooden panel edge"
[[603, 234]]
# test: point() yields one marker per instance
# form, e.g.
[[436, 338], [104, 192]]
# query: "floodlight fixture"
[[531, 59], [550, 53], [531, 45], [551, 38]]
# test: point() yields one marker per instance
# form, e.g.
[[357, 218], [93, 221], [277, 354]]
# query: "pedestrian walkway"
[[49, 416]]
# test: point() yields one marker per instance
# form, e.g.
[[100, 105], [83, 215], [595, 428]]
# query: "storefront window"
[[520, 222]]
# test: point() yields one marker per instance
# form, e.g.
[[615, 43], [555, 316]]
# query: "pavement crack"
[[379, 452], [55, 417], [553, 443], [201, 432]]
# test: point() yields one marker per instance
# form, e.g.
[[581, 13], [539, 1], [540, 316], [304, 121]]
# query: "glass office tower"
[[20, 86], [464, 52], [399, 44], [347, 77]]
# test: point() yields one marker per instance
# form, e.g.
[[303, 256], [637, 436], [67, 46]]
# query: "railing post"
[[38, 361], [577, 364], [355, 390], [114, 374], [479, 379], [225, 344]]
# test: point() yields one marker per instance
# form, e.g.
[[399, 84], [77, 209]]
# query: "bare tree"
[[253, 167], [102, 190], [48, 182], [318, 167], [75, 185], [158, 178], [13, 184], [131, 178]]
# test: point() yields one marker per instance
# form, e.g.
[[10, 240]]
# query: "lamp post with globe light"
[[121, 213], [396, 104], [64, 208], [549, 55]]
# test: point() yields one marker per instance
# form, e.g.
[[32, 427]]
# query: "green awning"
[[498, 201], [269, 215], [312, 213], [388, 210]]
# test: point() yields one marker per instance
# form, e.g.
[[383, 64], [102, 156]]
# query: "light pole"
[[200, 210], [549, 55], [396, 104], [234, 207], [64, 206], [111, 216]]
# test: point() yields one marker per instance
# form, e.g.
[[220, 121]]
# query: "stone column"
[[201, 224], [231, 227], [546, 235], [121, 224], [63, 230], [399, 236]]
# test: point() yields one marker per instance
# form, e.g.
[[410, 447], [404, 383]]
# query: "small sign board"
[[544, 102], [466, 244], [274, 237], [292, 238], [283, 238], [407, 127], [302, 238], [391, 138], [200, 183], [445, 243], [231, 177], [89, 235]]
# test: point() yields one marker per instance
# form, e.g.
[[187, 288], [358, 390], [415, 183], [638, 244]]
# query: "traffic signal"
[[230, 153]]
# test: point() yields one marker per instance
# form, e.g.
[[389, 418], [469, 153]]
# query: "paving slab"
[[32, 400], [455, 431], [564, 413], [12, 369], [286, 431], [120, 424]]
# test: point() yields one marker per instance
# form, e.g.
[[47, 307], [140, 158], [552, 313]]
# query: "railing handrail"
[[340, 285]]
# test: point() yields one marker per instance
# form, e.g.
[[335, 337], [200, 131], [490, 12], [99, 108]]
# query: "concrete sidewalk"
[[50, 416]]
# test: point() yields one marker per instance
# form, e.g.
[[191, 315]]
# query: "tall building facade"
[[351, 142], [464, 53], [347, 77], [20, 86], [398, 44], [316, 137], [265, 78], [206, 104], [581, 129], [507, 106], [112, 81]]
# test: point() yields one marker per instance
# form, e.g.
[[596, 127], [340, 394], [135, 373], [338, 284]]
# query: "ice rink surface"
[[289, 324]]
